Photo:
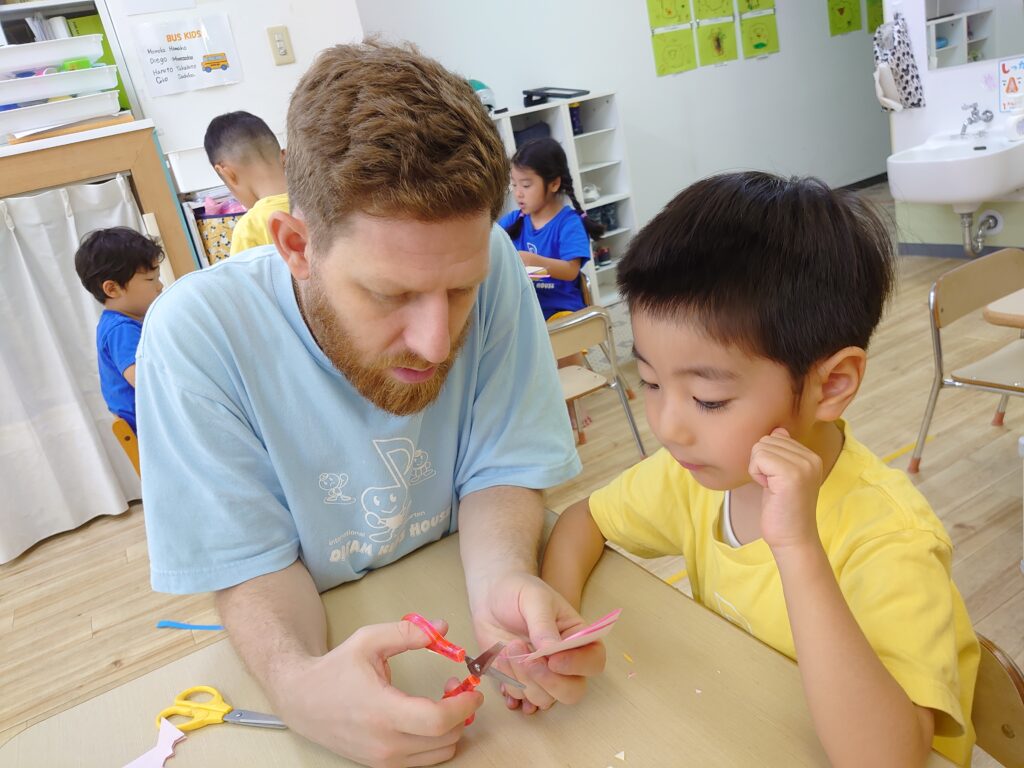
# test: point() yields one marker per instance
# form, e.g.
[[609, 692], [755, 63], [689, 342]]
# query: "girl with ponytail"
[[547, 232]]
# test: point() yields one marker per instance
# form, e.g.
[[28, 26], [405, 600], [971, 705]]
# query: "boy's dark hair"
[[242, 136], [787, 269], [114, 254], [546, 158]]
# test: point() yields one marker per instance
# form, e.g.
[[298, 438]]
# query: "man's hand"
[[344, 700], [791, 476], [521, 606]]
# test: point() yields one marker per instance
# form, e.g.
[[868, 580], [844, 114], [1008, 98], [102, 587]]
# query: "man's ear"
[[291, 237], [838, 378], [112, 289]]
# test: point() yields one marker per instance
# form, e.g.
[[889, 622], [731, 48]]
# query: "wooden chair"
[[954, 295], [998, 712], [126, 437], [583, 329]]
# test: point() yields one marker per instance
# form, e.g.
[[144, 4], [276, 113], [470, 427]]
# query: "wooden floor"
[[77, 616]]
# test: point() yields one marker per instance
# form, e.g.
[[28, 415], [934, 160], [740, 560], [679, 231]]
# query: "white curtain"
[[60, 465]]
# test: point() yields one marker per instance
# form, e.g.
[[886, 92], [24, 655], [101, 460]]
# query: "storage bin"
[[58, 113], [49, 53], [74, 83]]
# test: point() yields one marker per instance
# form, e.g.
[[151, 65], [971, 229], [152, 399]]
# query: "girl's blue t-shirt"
[[561, 238]]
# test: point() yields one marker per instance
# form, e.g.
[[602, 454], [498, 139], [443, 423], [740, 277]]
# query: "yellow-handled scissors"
[[213, 710]]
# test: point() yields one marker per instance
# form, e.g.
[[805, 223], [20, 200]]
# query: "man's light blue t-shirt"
[[256, 450]]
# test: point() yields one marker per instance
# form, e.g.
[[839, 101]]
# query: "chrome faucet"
[[975, 117]]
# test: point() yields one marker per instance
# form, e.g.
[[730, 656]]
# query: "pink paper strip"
[[585, 636], [158, 755]]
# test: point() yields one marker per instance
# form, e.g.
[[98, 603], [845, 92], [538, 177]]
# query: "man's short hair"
[[387, 131], [240, 136], [787, 269], [114, 254]]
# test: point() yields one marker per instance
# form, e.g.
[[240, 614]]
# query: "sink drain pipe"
[[974, 241]]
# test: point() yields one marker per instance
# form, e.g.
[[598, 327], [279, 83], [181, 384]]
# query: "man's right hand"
[[344, 700]]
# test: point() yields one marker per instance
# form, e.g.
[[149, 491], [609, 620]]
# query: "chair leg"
[[933, 396], [581, 436], [629, 390], [997, 420], [620, 389]]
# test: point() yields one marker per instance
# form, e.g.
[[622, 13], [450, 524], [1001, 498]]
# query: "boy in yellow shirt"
[[753, 299], [246, 155]]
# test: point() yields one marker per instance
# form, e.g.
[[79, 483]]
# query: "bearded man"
[[378, 378]]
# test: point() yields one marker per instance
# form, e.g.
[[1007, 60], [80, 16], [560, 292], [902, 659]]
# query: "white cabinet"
[[597, 156], [960, 38]]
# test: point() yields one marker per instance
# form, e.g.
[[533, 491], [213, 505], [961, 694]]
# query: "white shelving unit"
[[50, 8], [969, 36], [597, 156]]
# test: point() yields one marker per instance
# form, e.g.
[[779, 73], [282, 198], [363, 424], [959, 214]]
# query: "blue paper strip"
[[182, 625]]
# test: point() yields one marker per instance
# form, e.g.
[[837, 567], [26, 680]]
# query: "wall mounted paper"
[[746, 6], [673, 52], [760, 35], [713, 9], [876, 17], [844, 16], [716, 43], [668, 13], [188, 54], [1011, 84]]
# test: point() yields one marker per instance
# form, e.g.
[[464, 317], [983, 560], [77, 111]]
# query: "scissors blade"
[[255, 719], [481, 666]]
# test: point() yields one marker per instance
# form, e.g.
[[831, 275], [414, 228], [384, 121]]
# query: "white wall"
[[807, 110], [946, 90], [181, 119]]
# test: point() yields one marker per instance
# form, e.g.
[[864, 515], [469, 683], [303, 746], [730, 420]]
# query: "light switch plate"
[[281, 45]]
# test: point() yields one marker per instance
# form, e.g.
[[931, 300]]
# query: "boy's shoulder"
[[863, 498], [111, 320]]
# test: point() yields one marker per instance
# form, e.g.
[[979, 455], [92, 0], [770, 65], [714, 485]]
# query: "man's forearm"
[[499, 532], [274, 621]]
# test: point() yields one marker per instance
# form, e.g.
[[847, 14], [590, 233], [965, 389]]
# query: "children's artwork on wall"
[[187, 54], [844, 16], [746, 6], [673, 52], [760, 35], [714, 9], [876, 17], [716, 43], [668, 13], [1011, 84]]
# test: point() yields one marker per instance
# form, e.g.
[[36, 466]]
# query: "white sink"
[[960, 171]]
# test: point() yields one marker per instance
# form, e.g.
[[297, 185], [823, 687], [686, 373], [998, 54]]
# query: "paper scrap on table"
[[585, 636], [164, 624], [620, 755], [158, 755]]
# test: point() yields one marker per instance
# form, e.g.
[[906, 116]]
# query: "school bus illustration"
[[212, 61]]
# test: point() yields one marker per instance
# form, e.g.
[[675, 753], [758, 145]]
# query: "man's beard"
[[372, 380]]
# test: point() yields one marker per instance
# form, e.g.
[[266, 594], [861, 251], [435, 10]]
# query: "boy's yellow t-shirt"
[[251, 230], [889, 552]]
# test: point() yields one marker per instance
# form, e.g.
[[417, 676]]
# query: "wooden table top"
[[1008, 311], [698, 691]]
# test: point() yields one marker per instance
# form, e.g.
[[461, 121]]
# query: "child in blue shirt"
[[547, 232], [121, 268]]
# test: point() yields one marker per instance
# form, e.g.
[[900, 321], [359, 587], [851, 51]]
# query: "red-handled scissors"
[[478, 667]]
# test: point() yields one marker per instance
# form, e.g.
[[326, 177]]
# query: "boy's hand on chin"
[[790, 475]]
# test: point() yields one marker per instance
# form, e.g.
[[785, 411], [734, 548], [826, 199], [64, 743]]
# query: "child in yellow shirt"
[[246, 155], [753, 299]]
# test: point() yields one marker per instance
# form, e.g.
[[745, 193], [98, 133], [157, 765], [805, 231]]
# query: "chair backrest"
[[585, 289], [126, 437], [969, 287], [998, 712], [583, 329]]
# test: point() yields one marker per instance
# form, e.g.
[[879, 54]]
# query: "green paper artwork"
[[746, 6], [875, 16], [760, 35], [844, 16], [716, 43], [673, 52], [666, 13], [714, 9]]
